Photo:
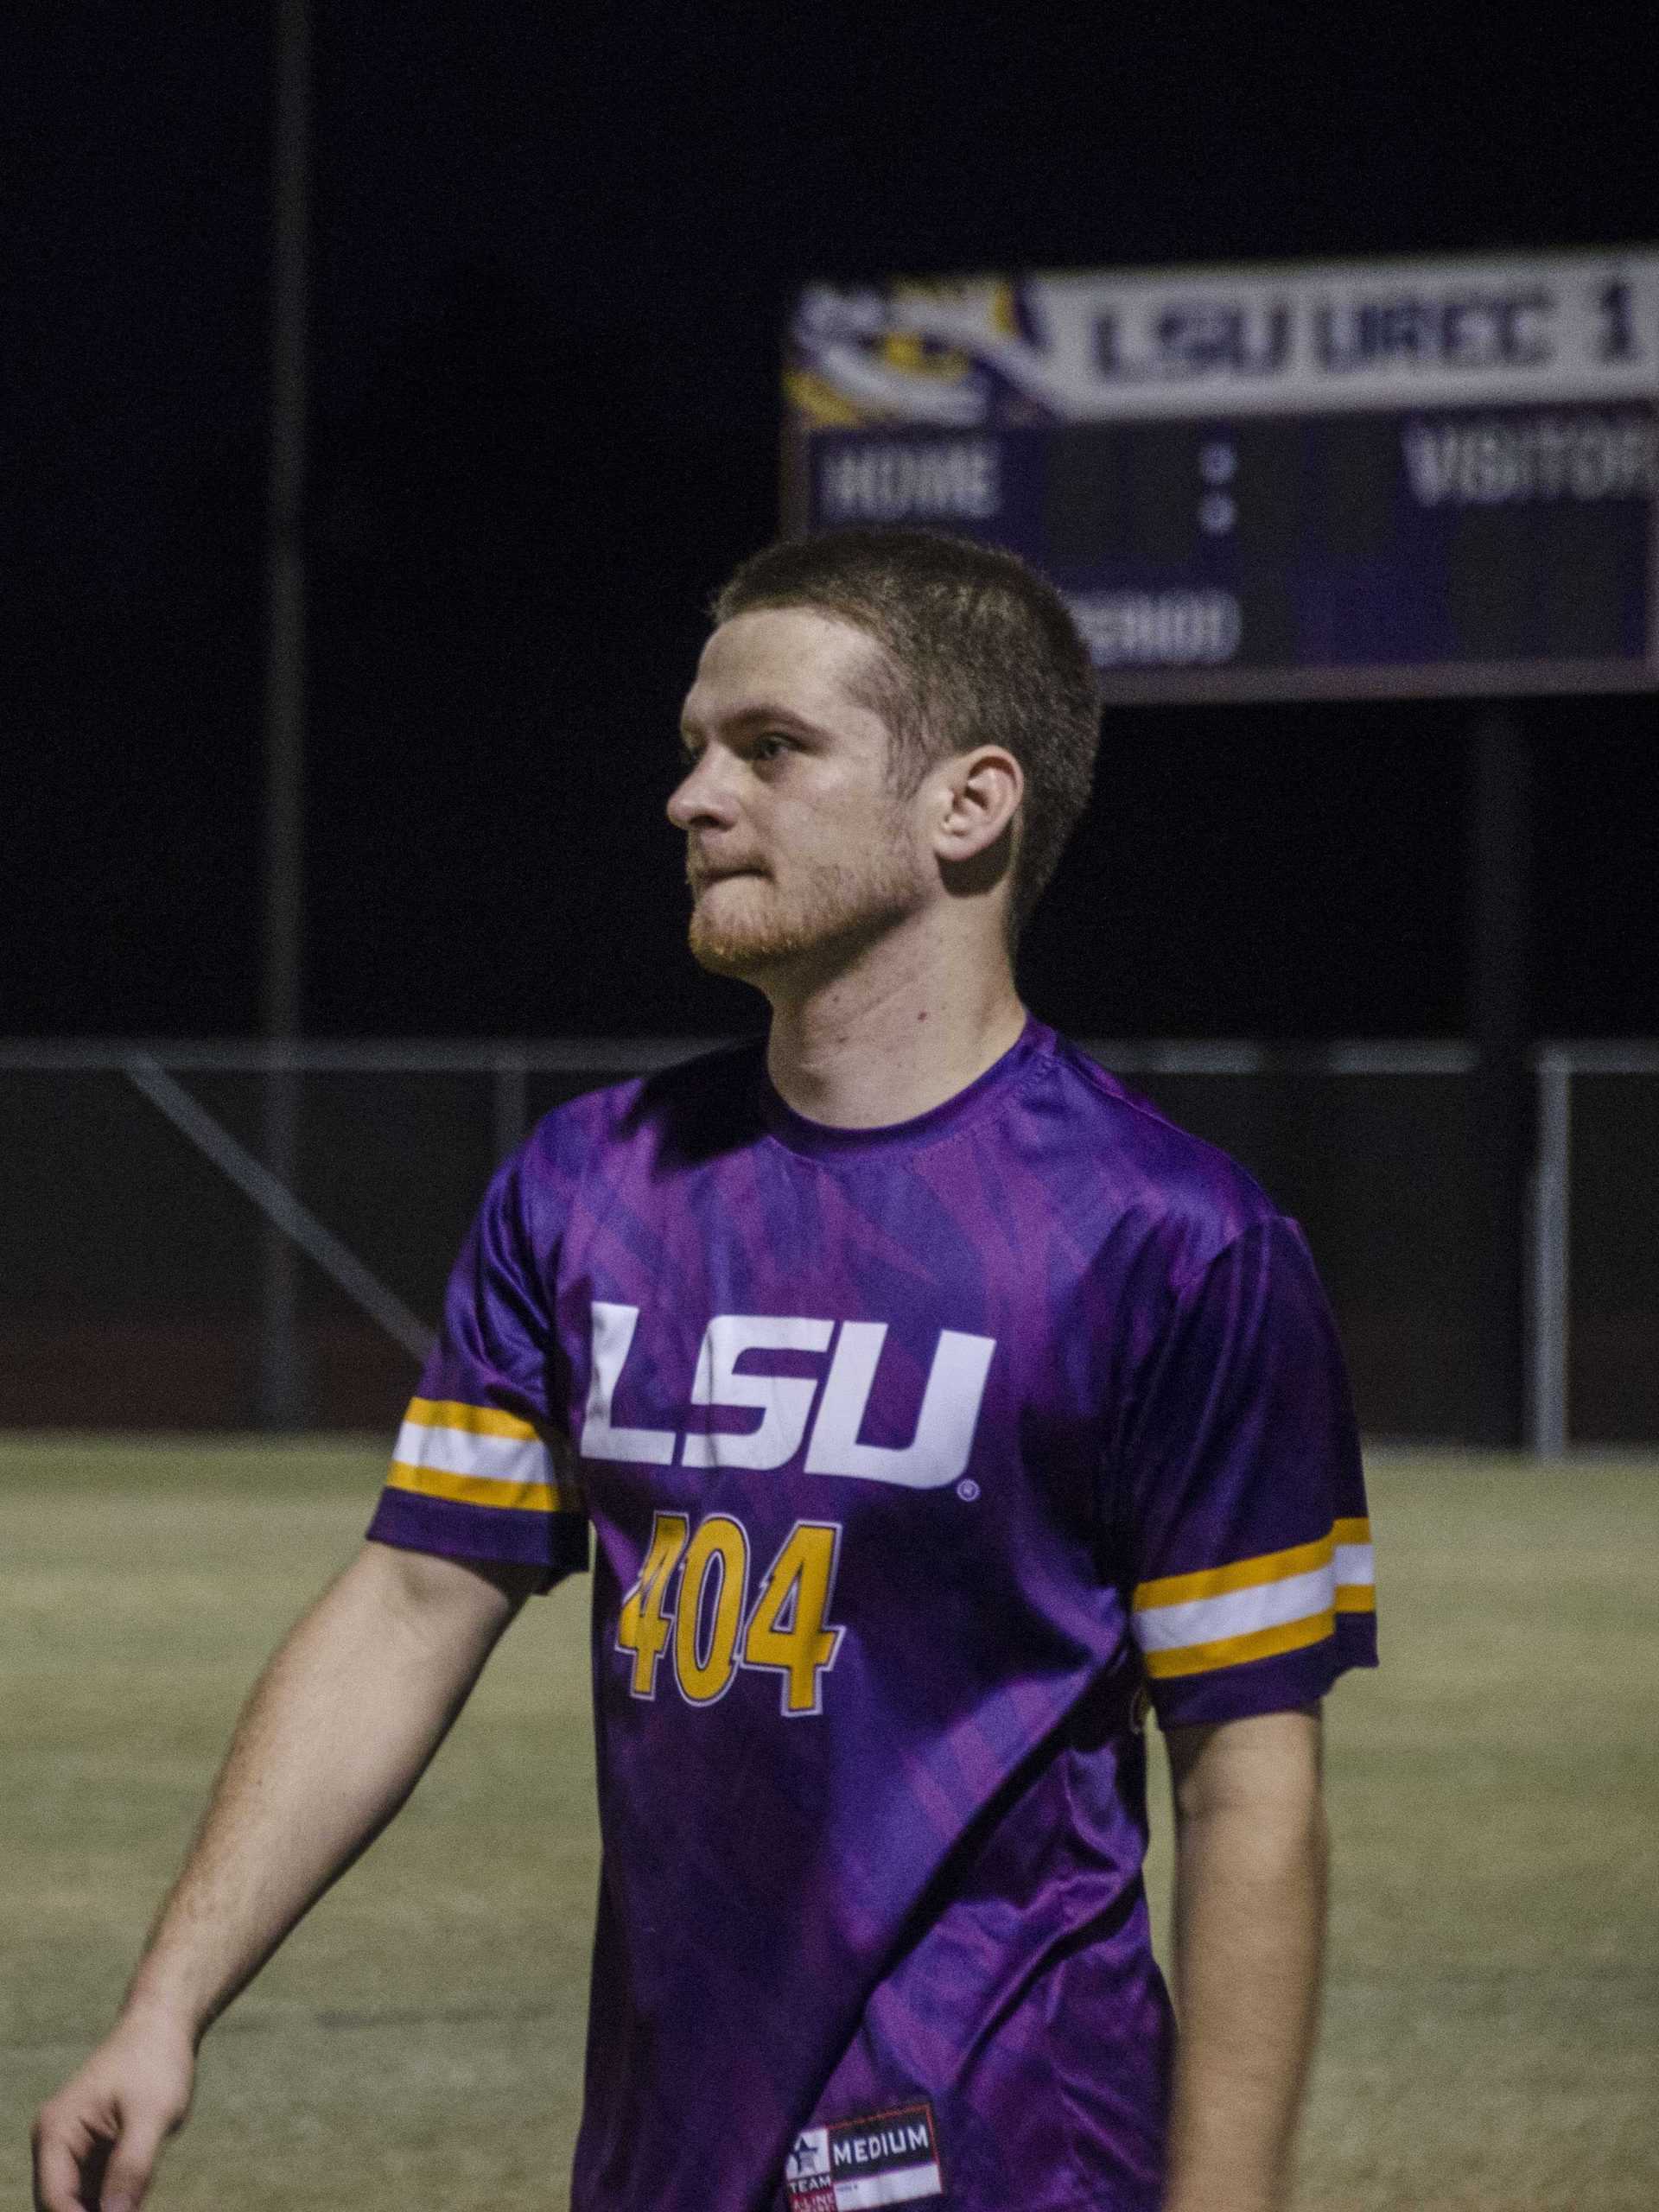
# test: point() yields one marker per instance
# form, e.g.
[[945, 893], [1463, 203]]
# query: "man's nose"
[[700, 796]]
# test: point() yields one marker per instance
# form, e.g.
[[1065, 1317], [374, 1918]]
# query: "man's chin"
[[730, 952], [726, 939], [763, 942]]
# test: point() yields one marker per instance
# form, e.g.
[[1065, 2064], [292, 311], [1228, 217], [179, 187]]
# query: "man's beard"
[[751, 932]]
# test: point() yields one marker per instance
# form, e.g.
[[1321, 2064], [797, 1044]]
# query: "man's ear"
[[978, 801]]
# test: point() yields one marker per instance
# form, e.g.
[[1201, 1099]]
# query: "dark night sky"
[[552, 247]]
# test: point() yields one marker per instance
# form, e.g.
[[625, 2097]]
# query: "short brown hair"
[[977, 649]]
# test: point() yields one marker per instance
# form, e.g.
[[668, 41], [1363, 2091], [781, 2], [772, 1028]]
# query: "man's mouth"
[[702, 878]]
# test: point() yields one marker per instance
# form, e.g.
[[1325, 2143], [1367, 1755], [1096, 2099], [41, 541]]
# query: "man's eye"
[[768, 748]]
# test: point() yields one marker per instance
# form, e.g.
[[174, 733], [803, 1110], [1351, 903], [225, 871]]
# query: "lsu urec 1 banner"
[[1130, 343]]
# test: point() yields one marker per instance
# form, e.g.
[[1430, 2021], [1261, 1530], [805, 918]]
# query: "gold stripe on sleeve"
[[475, 1421], [1356, 1597], [1242, 1574], [1233, 1650], [480, 1489], [1352, 1532]]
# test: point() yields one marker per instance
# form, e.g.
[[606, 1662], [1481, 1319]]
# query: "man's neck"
[[863, 1050]]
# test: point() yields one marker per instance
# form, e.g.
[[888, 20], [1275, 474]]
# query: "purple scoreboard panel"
[[1370, 477]]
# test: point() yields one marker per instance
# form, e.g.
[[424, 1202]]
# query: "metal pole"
[[282, 1394], [1499, 938], [511, 1102], [298, 1225], [1551, 1278]]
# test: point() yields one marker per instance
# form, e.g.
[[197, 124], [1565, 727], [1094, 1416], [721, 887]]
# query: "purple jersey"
[[915, 1460]]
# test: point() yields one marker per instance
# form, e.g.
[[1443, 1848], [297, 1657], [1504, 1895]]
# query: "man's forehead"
[[793, 658]]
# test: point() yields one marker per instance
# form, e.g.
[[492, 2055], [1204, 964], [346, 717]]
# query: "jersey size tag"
[[888, 2158]]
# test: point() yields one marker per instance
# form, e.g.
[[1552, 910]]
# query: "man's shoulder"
[[689, 1109], [1146, 1165]]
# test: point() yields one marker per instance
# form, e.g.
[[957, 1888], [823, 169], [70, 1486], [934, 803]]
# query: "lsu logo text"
[[937, 1453]]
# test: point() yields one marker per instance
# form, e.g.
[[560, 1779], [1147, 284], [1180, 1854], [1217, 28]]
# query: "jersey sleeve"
[[1248, 1542], [481, 1468]]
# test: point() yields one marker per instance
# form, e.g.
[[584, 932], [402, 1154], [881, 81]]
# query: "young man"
[[931, 1403]]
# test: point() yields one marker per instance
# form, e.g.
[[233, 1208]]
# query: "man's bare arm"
[[1250, 1929], [337, 1733]]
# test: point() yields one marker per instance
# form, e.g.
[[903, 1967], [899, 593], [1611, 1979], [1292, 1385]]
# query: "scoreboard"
[[1370, 477]]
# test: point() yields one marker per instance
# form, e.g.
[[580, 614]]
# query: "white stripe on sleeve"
[[1236, 1612], [1355, 1564], [463, 1451]]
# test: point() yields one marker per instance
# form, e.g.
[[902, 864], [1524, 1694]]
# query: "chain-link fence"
[[159, 1277]]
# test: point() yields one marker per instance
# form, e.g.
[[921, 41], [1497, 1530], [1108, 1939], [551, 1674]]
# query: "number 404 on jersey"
[[706, 1629]]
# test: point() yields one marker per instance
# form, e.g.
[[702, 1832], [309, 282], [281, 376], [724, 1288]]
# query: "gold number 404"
[[710, 1625]]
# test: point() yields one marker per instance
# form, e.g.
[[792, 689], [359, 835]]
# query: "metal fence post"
[[1499, 932], [282, 1394], [282, 1398], [512, 1102], [1551, 1280]]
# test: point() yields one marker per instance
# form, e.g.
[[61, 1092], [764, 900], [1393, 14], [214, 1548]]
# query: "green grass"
[[1492, 2024]]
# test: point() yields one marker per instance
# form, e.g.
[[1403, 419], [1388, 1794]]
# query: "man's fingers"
[[102, 2165], [132, 2162], [59, 2151]]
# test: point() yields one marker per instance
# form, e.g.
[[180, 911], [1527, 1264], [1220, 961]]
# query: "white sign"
[[996, 352]]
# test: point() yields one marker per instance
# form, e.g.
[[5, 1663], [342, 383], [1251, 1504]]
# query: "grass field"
[[1492, 2030]]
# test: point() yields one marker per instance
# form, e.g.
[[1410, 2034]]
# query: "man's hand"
[[97, 2141]]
